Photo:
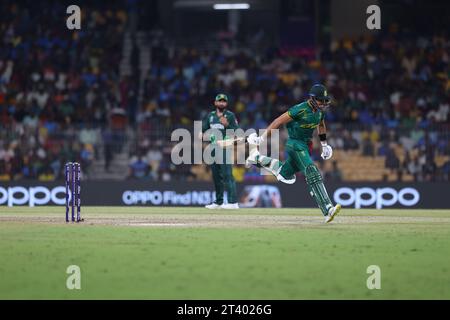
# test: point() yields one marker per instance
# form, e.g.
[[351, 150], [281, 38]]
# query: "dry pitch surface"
[[243, 218]]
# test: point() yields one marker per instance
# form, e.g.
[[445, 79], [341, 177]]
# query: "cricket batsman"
[[300, 120], [222, 119]]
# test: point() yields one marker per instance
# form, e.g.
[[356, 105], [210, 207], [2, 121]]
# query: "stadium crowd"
[[389, 90], [57, 88]]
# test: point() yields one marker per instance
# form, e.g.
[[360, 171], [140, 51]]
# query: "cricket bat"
[[229, 142]]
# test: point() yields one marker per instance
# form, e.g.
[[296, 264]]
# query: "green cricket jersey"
[[212, 121], [304, 122]]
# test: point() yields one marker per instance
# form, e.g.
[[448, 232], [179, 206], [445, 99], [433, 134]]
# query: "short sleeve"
[[296, 112]]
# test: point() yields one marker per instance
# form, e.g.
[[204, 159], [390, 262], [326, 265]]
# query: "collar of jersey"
[[311, 107]]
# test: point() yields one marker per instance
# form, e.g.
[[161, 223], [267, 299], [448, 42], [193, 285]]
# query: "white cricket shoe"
[[253, 157], [332, 213], [213, 206], [230, 206]]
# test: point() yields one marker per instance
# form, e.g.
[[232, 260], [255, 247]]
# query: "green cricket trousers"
[[223, 179]]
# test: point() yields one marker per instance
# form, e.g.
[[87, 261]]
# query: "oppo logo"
[[32, 196], [380, 197], [168, 197]]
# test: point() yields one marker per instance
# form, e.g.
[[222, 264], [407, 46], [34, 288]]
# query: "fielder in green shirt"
[[222, 119], [301, 120]]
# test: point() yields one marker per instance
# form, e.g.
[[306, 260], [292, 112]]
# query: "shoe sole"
[[338, 208], [248, 163], [281, 179]]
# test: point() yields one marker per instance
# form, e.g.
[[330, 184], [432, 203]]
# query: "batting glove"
[[254, 139], [327, 151]]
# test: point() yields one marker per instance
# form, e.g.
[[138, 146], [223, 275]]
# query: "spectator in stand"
[[89, 136], [414, 169], [367, 147], [87, 157], [384, 148], [138, 168], [392, 161], [350, 143], [154, 157]]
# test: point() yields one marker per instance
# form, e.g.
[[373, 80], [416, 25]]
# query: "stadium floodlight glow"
[[231, 6]]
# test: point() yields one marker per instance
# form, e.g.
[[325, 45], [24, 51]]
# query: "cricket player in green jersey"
[[301, 120], [222, 119]]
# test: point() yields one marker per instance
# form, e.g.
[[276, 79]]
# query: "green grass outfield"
[[193, 253]]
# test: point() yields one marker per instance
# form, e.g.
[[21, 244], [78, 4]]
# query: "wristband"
[[323, 137]]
